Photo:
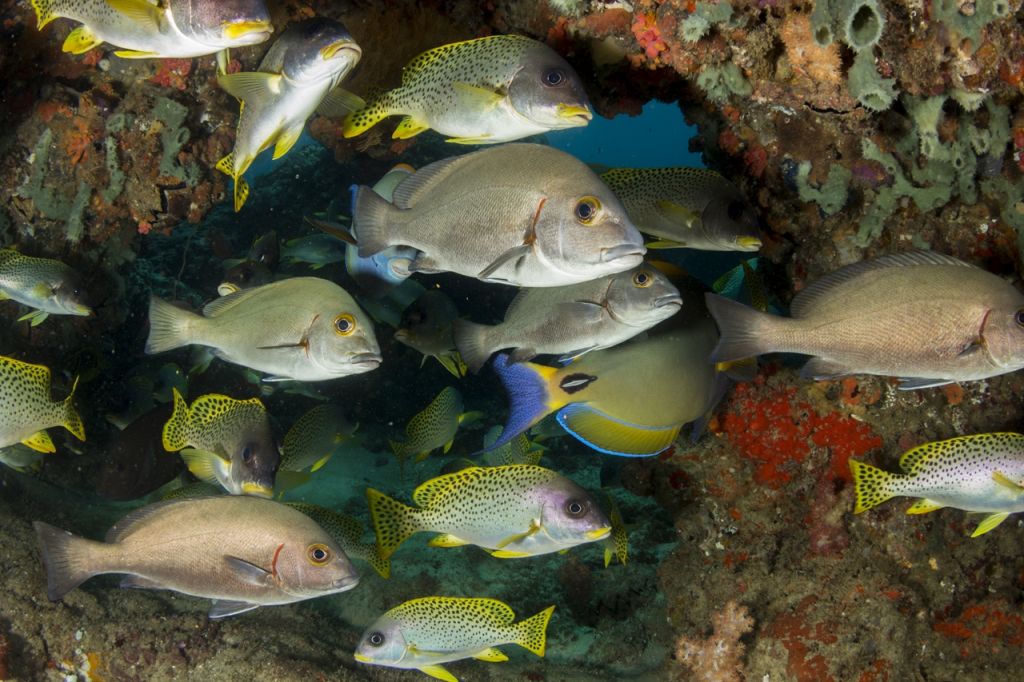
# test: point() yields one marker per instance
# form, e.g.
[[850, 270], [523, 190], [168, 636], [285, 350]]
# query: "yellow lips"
[[598, 533], [751, 243], [572, 111], [243, 28], [257, 490], [363, 659], [334, 48]]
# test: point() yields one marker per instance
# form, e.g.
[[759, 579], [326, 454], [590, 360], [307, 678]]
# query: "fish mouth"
[[622, 251], [367, 360], [668, 299], [748, 243], [577, 114], [362, 658], [257, 490], [598, 533], [255, 31], [346, 583], [329, 52], [80, 309], [402, 335]]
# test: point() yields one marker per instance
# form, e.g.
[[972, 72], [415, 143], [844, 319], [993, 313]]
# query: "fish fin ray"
[[871, 485], [744, 331], [174, 435], [491, 655], [531, 634], [393, 522], [914, 384], [168, 326], [371, 212], [40, 441], [989, 522], [248, 572], [80, 40], [135, 54], [511, 255], [407, 128], [72, 421], [529, 387], [65, 558], [339, 103], [251, 86], [287, 139], [438, 672], [368, 115], [472, 341], [924, 506], [145, 14], [823, 369], [207, 466], [1007, 482], [44, 12], [447, 540], [222, 608]]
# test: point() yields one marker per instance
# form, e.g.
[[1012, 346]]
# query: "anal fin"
[[492, 655], [447, 540], [40, 442], [409, 127], [80, 41], [924, 506], [990, 522]]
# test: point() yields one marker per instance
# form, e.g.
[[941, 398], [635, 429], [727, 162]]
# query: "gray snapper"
[[49, 286], [520, 214]]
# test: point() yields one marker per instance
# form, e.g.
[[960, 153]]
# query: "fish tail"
[[66, 557], [241, 192], [168, 326], [393, 522], [871, 485], [472, 342], [71, 420], [531, 634], [744, 332], [175, 433], [44, 12], [529, 393], [370, 214], [367, 116], [378, 561]]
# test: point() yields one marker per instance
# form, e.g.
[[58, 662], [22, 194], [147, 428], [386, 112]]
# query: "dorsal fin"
[[808, 298], [441, 53], [130, 523], [427, 492]]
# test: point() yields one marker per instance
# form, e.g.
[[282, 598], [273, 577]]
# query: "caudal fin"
[[175, 432], [743, 331], [65, 557], [532, 633], [71, 420], [529, 396], [44, 12], [168, 326], [472, 342], [393, 522], [871, 485], [367, 116], [370, 219]]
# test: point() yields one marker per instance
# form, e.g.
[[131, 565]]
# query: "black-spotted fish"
[[512, 511], [616, 545], [315, 437], [427, 326], [483, 91], [980, 473], [225, 441], [242, 552], [424, 633], [26, 410], [434, 427], [694, 208], [47, 285], [170, 28], [924, 317], [519, 450], [299, 75], [348, 533]]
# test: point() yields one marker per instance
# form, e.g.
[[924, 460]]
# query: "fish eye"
[[344, 324], [554, 78], [642, 279], [318, 554], [735, 210], [586, 209], [247, 454], [1019, 317], [375, 638], [575, 508]]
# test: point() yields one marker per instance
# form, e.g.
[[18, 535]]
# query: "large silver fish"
[[573, 320], [47, 285], [243, 552], [302, 328], [924, 317], [521, 214]]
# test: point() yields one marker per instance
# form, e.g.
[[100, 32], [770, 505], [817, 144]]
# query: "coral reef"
[[719, 658]]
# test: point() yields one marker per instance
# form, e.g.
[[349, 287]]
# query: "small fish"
[[315, 437], [519, 450], [26, 410], [427, 326], [520, 214], [693, 208], [744, 280], [434, 427], [242, 552], [257, 268], [483, 91], [172, 28], [21, 458], [617, 543], [980, 473], [540, 512], [348, 533], [225, 441], [924, 317], [47, 285], [299, 75], [572, 320], [301, 328], [423, 633], [315, 250], [135, 462]]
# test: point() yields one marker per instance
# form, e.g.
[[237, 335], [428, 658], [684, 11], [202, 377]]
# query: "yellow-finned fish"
[[26, 410], [47, 285], [512, 511], [617, 543], [169, 28], [434, 427], [694, 208], [519, 450], [482, 91], [424, 633], [979, 473], [427, 326], [315, 437], [299, 75], [348, 533], [243, 552], [225, 441]]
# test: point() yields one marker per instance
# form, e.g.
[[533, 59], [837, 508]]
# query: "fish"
[[26, 410], [21, 458], [225, 441], [315, 437], [257, 268], [427, 327], [299, 75], [521, 214], [315, 250], [977, 473], [923, 317], [172, 28], [540, 512], [423, 633], [380, 273], [572, 320], [519, 450], [483, 91], [744, 280], [348, 533], [303, 328], [616, 545], [135, 463], [693, 208], [49, 286], [434, 427], [242, 552]]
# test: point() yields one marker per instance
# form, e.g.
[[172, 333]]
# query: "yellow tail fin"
[[871, 485], [44, 12], [72, 420], [175, 433], [393, 522], [531, 633], [371, 114]]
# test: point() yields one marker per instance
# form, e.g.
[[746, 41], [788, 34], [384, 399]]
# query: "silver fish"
[[47, 285]]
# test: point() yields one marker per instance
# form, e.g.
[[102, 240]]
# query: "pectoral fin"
[[990, 522], [438, 672], [339, 103], [477, 98], [34, 318], [205, 465], [40, 442], [512, 255], [248, 572], [1011, 485], [251, 86], [286, 140], [678, 213], [534, 527], [453, 363]]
